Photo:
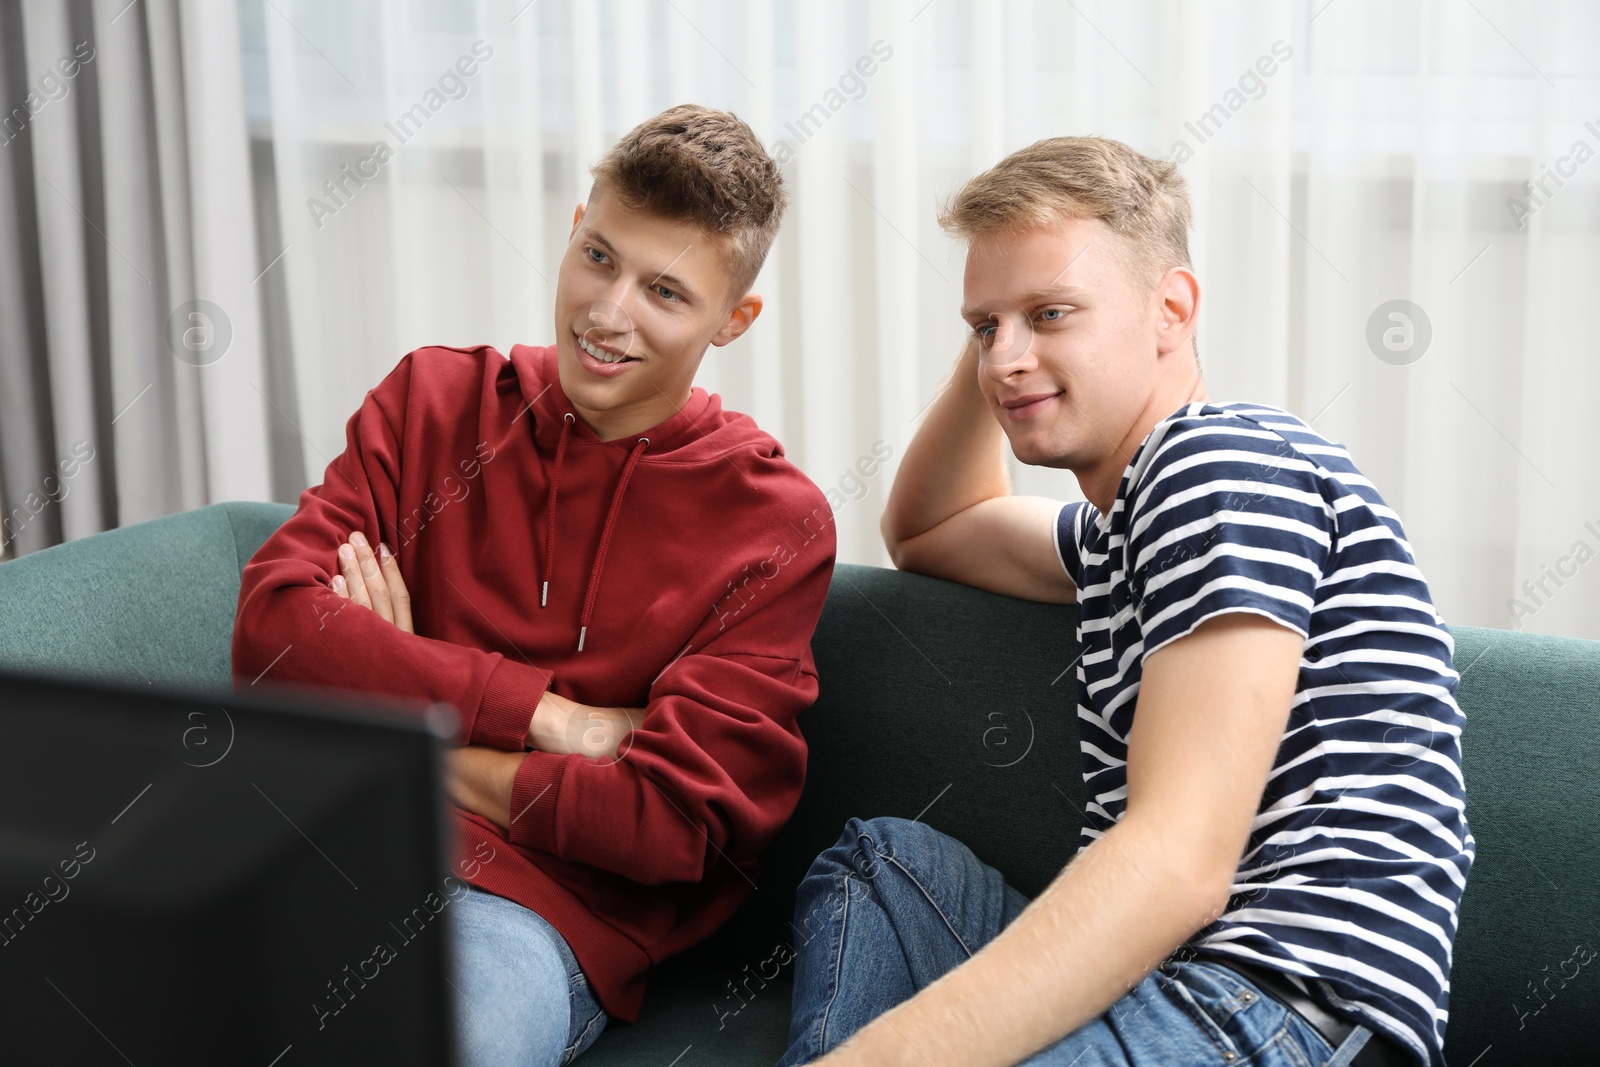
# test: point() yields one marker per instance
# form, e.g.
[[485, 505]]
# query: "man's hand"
[[564, 726], [373, 581], [479, 779]]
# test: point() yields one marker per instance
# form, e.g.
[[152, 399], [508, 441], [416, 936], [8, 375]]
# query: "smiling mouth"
[[1030, 401], [603, 353]]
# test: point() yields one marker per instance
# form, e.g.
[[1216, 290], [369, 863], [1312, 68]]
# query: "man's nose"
[[610, 313]]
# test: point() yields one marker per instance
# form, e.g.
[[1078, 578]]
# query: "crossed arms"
[[479, 778]]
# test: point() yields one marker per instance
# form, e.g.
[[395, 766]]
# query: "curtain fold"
[[73, 264], [129, 314]]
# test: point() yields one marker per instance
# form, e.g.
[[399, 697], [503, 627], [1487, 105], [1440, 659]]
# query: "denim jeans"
[[895, 904], [520, 998]]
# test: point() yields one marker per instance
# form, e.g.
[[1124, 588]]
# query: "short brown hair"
[[1144, 200], [705, 167]]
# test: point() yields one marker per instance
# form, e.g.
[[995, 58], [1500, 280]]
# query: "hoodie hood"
[[698, 432]]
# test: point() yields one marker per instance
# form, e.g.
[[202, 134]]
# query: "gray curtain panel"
[[134, 381]]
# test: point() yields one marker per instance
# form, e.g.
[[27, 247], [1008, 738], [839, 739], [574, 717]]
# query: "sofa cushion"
[[701, 1014]]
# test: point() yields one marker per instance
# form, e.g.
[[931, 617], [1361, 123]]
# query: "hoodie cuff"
[[533, 800], [505, 711]]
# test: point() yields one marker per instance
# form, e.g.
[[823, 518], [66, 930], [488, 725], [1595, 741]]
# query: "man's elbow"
[[1212, 896], [247, 657], [897, 555], [259, 634], [1200, 881], [906, 553], [891, 540], [672, 866], [1208, 887]]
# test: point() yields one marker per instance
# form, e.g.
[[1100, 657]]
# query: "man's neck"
[[1100, 482], [611, 425]]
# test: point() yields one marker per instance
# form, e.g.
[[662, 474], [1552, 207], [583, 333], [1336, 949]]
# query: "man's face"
[[1067, 345], [647, 291]]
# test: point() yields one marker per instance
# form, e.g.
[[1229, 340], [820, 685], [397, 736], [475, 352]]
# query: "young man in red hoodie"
[[611, 578]]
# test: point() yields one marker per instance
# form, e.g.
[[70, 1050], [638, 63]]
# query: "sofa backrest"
[[151, 603], [957, 706]]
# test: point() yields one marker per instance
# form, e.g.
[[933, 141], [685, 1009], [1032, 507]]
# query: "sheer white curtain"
[[1341, 156]]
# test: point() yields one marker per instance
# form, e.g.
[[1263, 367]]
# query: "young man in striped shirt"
[[1275, 842]]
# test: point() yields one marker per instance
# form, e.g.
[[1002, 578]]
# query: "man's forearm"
[[563, 726], [955, 460], [1120, 908], [479, 778], [547, 728]]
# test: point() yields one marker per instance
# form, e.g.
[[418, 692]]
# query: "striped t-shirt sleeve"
[[1226, 516], [1069, 535]]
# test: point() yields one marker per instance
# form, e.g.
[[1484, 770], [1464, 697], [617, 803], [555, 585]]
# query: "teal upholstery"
[[951, 704]]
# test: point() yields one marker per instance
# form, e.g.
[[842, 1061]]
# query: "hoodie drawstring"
[[550, 511], [605, 534], [605, 538]]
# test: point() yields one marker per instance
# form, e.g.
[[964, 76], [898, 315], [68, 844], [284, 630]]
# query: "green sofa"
[[949, 704]]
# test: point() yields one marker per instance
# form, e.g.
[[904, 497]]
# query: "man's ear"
[[1178, 293], [577, 217], [740, 316]]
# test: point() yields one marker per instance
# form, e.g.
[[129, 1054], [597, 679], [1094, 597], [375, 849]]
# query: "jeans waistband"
[[1379, 1051]]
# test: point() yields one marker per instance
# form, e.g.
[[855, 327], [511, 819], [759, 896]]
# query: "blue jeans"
[[895, 904], [520, 998]]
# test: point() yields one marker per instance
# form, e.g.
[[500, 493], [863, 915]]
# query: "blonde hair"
[[705, 167], [1143, 200]]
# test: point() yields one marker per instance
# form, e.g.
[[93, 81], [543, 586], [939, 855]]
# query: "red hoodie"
[[681, 570]]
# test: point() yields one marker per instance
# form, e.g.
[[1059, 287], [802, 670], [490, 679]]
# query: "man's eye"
[[985, 331], [595, 255], [667, 294], [1053, 314]]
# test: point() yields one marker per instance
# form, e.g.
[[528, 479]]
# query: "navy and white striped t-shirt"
[[1360, 849]]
